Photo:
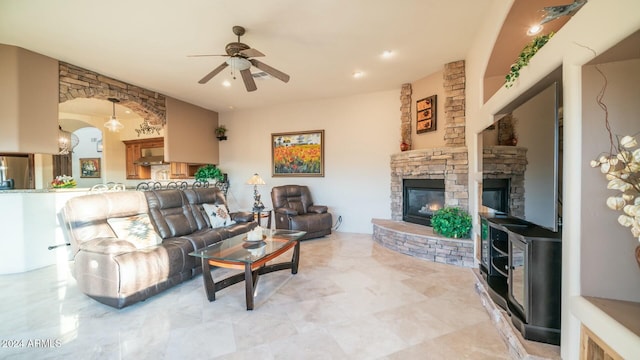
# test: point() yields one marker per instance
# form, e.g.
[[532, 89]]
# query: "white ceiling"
[[319, 43]]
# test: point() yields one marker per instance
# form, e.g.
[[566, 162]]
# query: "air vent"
[[261, 75]]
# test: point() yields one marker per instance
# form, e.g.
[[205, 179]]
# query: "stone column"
[[405, 114], [454, 105]]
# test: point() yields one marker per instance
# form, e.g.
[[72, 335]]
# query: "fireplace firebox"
[[421, 199], [495, 194]]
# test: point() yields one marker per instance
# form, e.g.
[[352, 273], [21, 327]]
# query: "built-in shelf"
[[615, 322], [500, 246], [501, 265]]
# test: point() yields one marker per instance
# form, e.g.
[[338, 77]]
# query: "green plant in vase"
[[451, 222], [208, 172], [221, 132]]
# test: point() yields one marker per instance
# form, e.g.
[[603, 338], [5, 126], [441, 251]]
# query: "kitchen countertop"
[[36, 191]]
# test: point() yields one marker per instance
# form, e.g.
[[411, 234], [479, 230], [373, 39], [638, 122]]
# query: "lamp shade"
[[255, 180]]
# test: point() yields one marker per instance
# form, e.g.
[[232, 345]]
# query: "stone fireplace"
[[448, 164]]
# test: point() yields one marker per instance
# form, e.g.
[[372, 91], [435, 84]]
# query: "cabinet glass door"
[[517, 274], [484, 243]]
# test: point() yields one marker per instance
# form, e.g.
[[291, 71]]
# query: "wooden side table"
[[258, 215]]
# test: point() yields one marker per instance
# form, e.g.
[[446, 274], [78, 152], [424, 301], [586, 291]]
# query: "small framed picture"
[[90, 167], [426, 114]]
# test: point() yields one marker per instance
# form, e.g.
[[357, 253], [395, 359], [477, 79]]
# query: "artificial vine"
[[524, 57]]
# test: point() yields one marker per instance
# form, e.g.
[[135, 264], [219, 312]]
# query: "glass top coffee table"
[[251, 256]]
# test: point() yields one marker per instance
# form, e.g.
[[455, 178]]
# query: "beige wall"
[[361, 132], [425, 87], [190, 133], [606, 249], [29, 101]]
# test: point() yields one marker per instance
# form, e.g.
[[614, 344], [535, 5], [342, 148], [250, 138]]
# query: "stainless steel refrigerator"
[[14, 172]]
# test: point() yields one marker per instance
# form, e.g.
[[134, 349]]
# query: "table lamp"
[[256, 180]]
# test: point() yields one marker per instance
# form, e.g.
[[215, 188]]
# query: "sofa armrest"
[[242, 216], [318, 209], [286, 211], [107, 245]]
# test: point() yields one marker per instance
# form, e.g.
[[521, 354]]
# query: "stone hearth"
[[420, 241]]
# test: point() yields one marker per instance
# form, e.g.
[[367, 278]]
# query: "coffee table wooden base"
[[252, 272]]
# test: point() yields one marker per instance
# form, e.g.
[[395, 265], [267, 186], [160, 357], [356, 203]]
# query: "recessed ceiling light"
[[226, 83], [387, 54], [358, 74], [231, 107], [533, 30]]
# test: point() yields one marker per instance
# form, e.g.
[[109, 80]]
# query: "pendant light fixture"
[[66, 141], [113, 124]]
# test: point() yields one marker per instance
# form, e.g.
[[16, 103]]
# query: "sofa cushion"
[[170, 213], [137, 229], [218, 215]]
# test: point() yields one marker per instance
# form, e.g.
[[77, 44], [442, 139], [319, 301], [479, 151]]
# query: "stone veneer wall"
[[507, 162], [76, 82], [448, 163], [454, 105], [405, 113]]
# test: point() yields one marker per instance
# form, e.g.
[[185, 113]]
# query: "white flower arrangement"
[[622, 168]]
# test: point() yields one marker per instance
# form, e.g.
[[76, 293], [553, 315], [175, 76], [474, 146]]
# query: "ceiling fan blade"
[[249, 83], [213, 73], [251, 53], [269, 70]]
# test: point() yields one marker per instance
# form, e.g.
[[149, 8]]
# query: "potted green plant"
[[220, 132], [209, 172], [451, 222]]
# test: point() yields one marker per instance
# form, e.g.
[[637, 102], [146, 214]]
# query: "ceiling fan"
[[240, 59], [554, 12]]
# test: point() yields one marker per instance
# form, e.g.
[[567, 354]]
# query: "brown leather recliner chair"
[[294, 210]]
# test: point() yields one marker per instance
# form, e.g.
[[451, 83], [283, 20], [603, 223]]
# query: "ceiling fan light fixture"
[[113, 124], [238, 63]]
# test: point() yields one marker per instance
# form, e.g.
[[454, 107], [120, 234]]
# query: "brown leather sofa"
[[119, 271], [294, 210]]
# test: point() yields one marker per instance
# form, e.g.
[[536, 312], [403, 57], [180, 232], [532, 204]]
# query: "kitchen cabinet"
[[179, 170], [134, 151]]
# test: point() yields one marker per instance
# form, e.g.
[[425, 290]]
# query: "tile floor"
[[351, 299]]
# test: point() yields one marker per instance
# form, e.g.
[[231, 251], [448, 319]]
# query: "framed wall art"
[[298, 153], [90, 167], [426, 114]]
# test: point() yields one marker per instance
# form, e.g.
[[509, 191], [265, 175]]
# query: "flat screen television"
[[535, 120]]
